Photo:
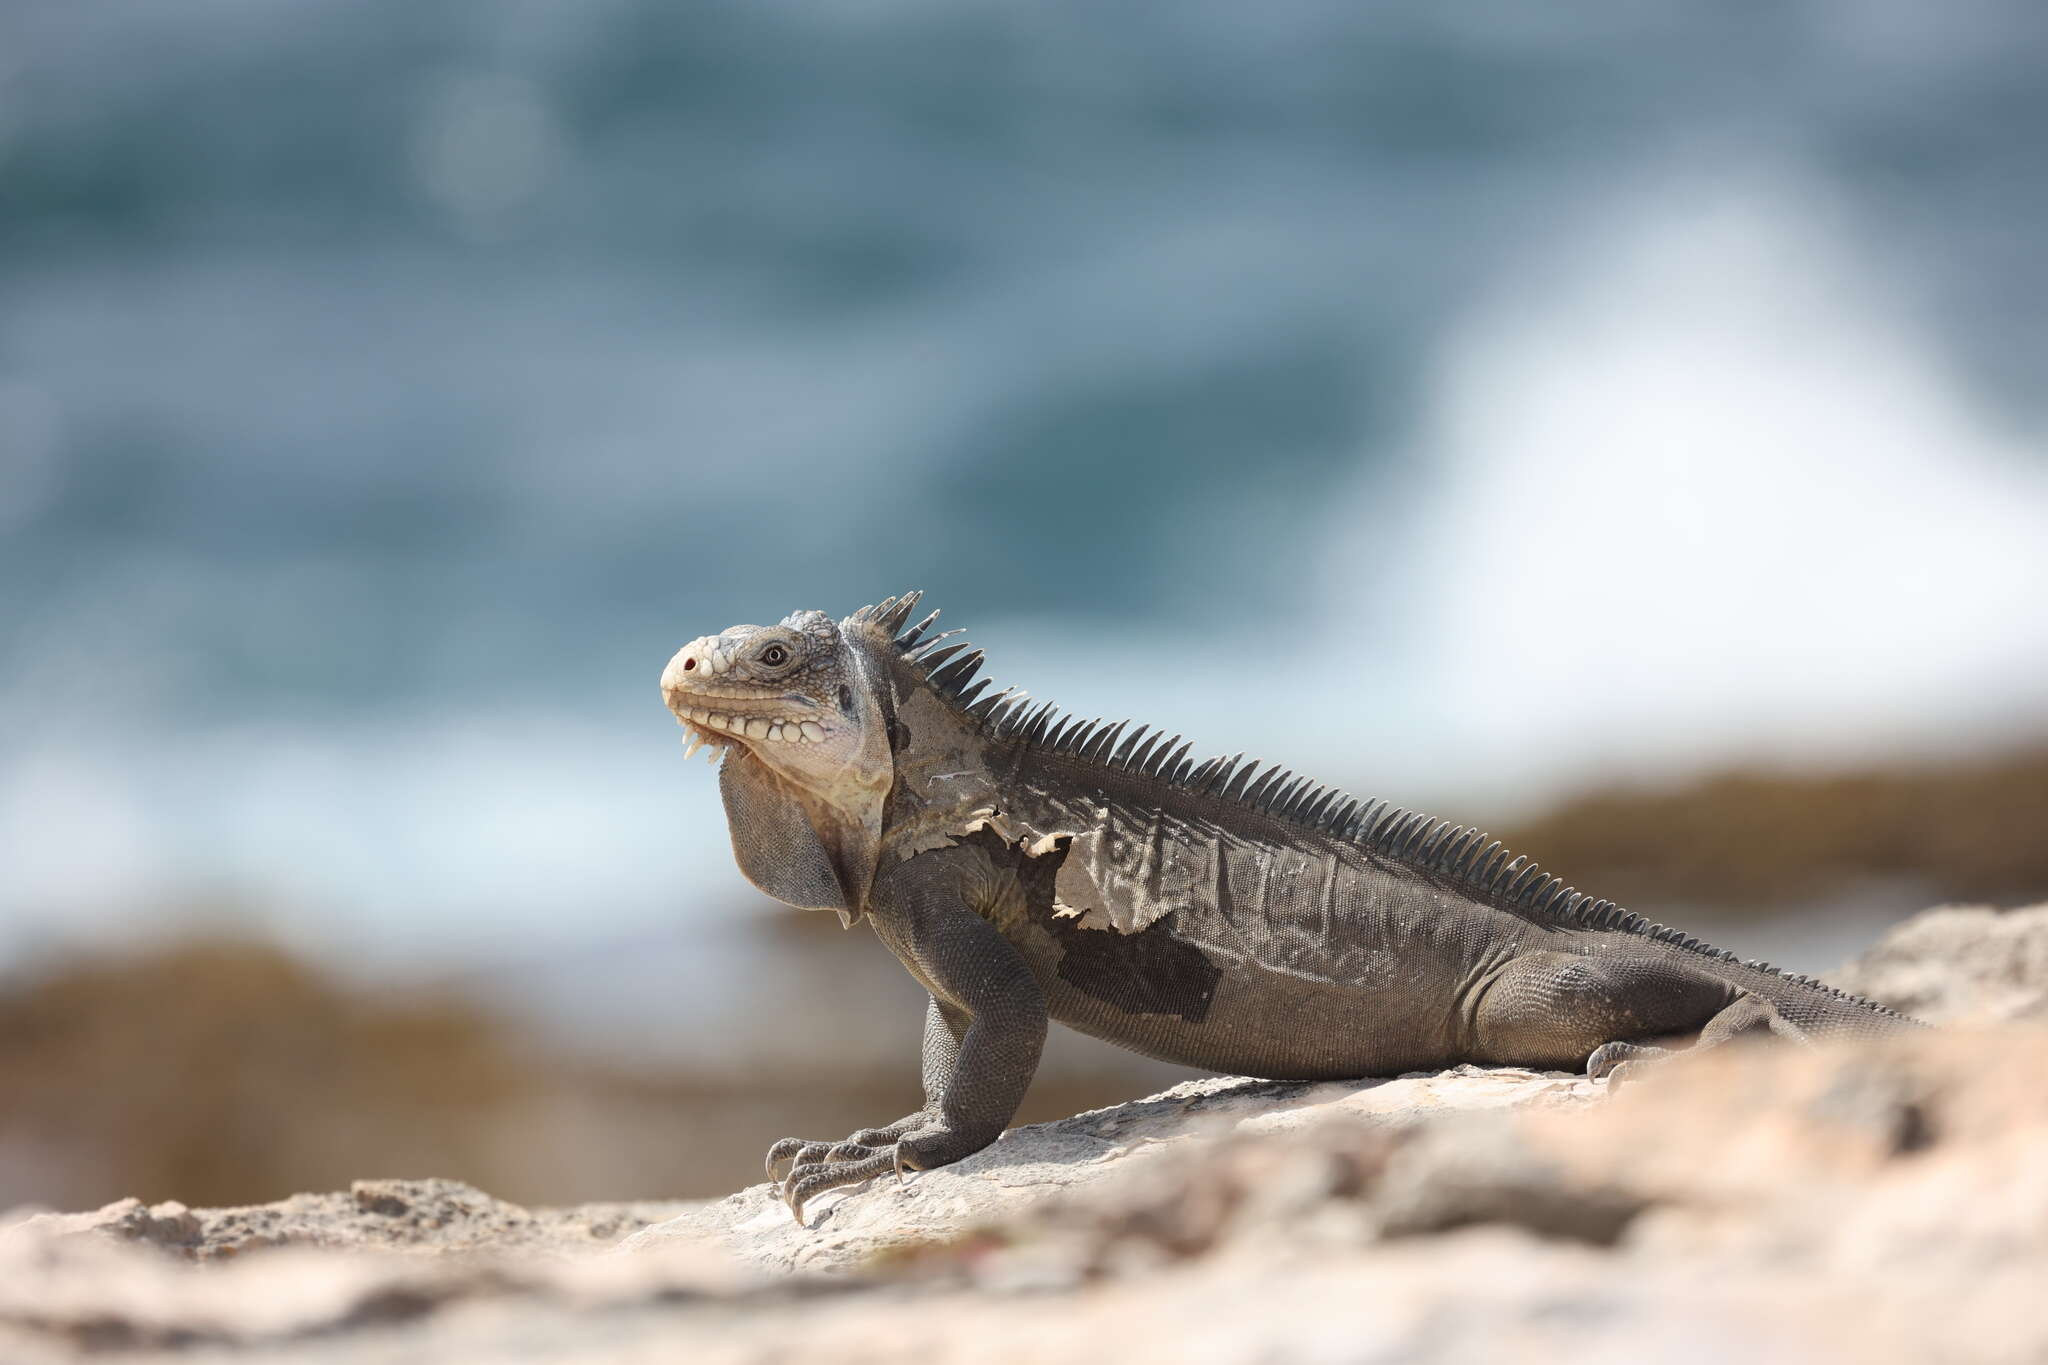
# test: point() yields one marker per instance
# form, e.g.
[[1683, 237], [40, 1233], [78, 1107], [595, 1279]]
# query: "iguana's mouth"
[[734, 725]]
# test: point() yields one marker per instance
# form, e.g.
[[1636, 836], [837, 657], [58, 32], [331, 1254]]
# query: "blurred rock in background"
[[1755, 838], [227, 1072]]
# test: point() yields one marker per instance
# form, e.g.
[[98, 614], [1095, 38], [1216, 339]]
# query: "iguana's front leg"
[[984, 1032], [944, 1027]]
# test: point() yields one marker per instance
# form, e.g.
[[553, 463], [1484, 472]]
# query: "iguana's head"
[[800, 710], [795, 697]]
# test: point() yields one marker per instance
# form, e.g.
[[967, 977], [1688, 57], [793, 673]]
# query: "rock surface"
[[845, 1230], [1959, 964], [1888, 1202], [390, 1215]]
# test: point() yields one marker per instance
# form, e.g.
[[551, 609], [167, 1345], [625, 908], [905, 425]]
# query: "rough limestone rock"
[[1884, 1203], [1959, 964], [390, 1215], [1027, 1165]]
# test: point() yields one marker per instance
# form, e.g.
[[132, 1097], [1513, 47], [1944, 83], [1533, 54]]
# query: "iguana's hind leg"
[[1746, 1016], [1564, 1009]]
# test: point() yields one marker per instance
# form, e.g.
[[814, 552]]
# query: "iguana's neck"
[[944, 785]]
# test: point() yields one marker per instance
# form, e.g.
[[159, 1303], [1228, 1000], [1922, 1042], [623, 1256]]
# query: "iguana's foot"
[[1619, 1062], [802, 1151], [814, 1167], [913, 1144]]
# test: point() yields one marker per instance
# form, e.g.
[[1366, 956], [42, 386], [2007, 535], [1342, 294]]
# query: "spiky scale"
[[1282, 795], [1404, 831], [1262, 786], [874, 611], [1221, 780], [1430, 846], [1487, 862], [1240, 779], [1100, 744], [1120, 756], [1295, 797], [988, 708], [1341, 814], [1139, 759], [1457, 854], [907, 641], [1173, 765], [1399, 829], [935, 652], [1520, 885], [954, 675], [897, 610], [1113, 740]]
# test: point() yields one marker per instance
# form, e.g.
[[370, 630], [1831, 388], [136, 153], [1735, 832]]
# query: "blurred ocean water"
[[1459, 402]]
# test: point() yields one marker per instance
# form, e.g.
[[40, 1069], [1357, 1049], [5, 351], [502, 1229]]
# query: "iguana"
[[1026, 865]]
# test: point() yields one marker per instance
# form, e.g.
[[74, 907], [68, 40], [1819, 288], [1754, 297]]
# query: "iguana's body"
[[1026, 866]]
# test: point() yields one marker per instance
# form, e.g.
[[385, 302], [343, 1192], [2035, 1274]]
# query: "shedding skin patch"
[[1149, 971]]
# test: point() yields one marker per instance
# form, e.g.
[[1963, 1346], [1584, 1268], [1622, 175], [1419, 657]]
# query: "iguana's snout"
[[765, 686]]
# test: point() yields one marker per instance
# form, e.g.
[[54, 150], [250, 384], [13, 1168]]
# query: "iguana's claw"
[[803, 1151], [1617, 1062], [812, 1167], [830, 1177], [790, 1150]]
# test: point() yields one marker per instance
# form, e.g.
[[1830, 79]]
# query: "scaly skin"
[[1023, 866]]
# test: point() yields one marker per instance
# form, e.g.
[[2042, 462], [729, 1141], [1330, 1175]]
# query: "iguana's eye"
[[775, 656]]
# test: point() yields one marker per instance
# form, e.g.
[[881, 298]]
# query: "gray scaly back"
[[1458, 855]]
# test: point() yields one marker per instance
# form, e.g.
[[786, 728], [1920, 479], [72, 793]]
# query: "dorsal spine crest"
[[1457, 853]]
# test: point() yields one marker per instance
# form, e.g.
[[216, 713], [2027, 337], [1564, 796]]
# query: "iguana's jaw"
[[723, 721], [789, 695], [716, 698]]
